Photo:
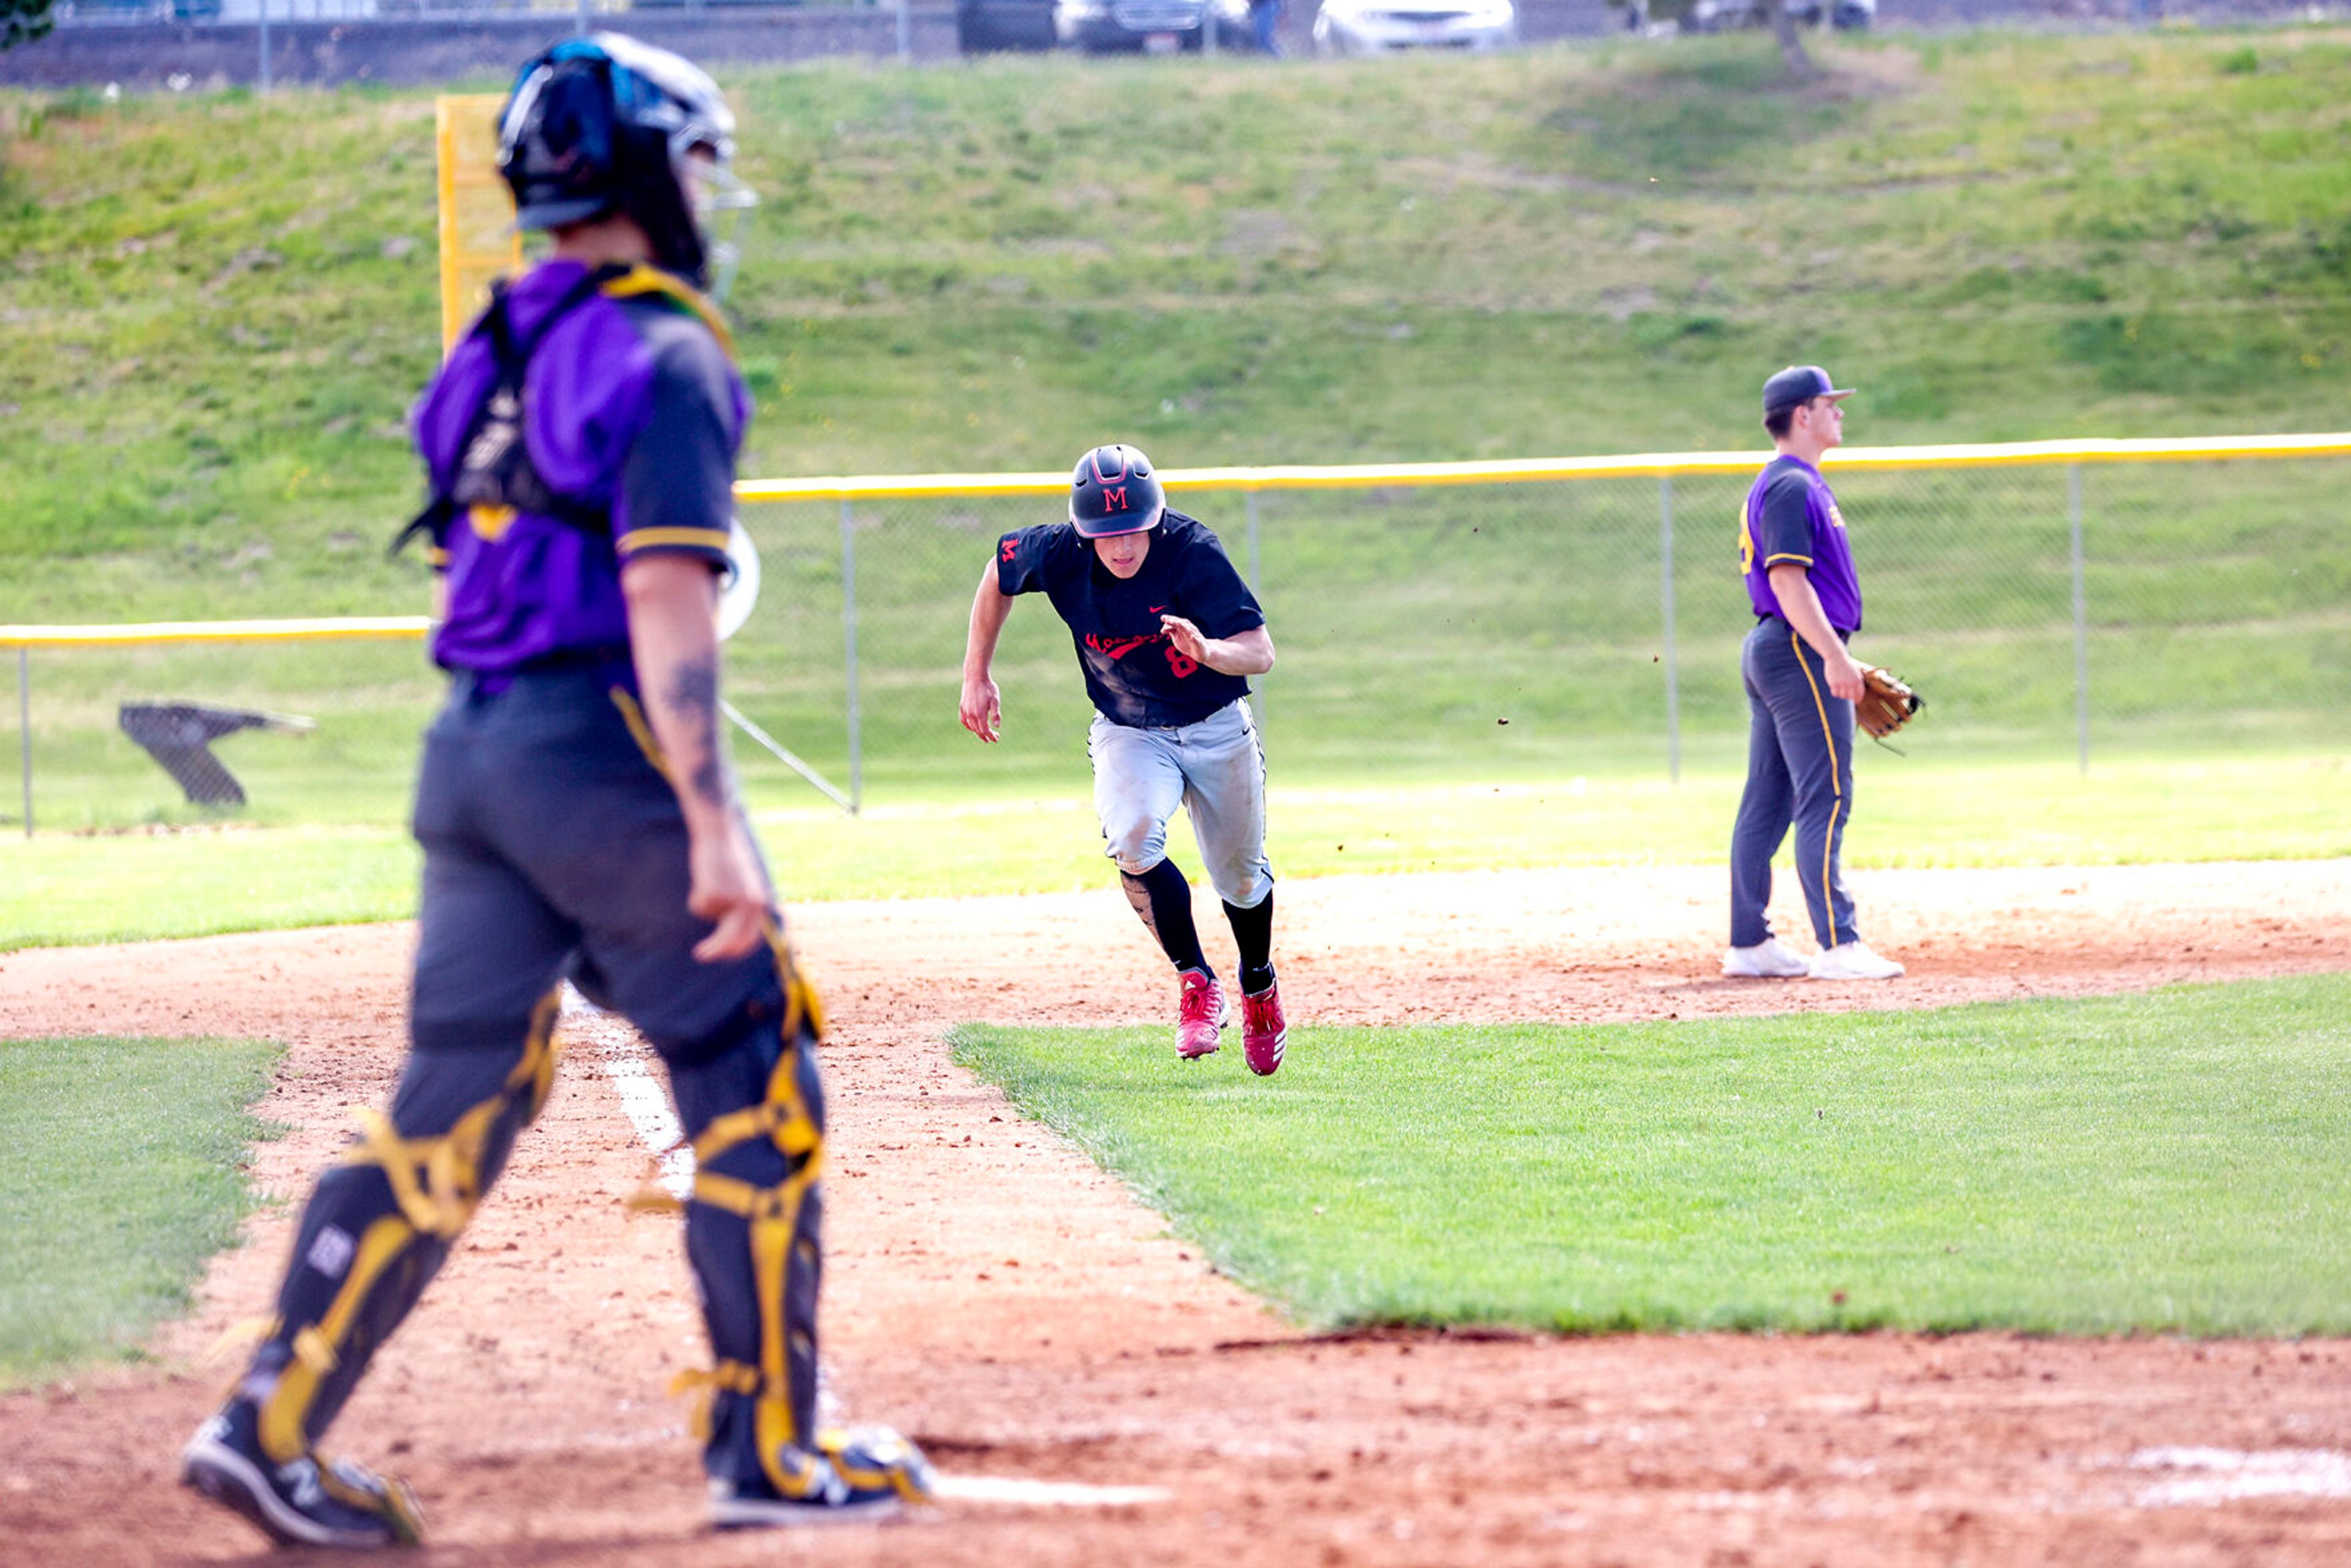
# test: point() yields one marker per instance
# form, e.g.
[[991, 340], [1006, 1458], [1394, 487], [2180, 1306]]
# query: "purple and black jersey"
[[1791, 517], [632, 408], [1133, 673]]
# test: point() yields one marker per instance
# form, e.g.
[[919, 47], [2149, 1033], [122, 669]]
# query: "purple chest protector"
[[495, 471]]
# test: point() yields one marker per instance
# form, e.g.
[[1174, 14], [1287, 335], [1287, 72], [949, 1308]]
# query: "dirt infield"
[[994, 1293]]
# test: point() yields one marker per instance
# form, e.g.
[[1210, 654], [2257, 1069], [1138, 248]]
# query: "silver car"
[[1378, 27]]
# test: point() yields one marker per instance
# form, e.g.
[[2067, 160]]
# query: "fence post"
[[24, 727], [849, 642], [1673, 678], [2080, 619], [264, 80], [1257, 586], [905, 32], [1257, 575]]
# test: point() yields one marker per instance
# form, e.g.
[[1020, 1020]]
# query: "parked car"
[[1723, 16], [1842, 14], [1149, 26], [1378, 27], [986, 25]]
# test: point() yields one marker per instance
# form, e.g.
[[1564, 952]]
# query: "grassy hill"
[[218, 308]]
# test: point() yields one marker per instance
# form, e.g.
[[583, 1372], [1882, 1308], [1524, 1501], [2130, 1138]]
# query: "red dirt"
[[994, 1293]]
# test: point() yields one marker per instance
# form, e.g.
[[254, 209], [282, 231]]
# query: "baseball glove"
[[1887, 702]]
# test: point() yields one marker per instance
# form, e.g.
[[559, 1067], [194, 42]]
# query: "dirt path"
[[990, 1290]]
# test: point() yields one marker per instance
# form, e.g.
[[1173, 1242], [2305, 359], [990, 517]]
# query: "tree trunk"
[[1791, 47]]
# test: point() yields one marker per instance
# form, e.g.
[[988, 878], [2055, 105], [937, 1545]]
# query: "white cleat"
[[1769, 960], [1854, 961]]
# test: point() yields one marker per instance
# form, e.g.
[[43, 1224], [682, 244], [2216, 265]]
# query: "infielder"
[[579, 820], [1168, 635], [1801, 687]]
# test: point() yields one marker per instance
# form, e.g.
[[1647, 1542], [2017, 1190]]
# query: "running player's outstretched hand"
[[728, 890], [983, 708], [1188, 639]]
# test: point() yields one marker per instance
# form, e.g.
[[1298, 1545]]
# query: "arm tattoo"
[[693, 692], [694, 698]]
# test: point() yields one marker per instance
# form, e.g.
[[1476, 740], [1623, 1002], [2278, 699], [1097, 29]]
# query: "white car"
[[1377, 26]]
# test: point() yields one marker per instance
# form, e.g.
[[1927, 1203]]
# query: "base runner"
[[1168, 635]]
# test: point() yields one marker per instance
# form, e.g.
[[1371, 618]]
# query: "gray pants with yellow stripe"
[[1799, 772], [554, 849]]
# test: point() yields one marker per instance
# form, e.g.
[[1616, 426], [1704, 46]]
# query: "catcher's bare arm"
[[983, 706], [674, 636], [1802, 606]]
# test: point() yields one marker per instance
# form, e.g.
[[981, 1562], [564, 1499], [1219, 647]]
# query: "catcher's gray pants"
[[1799, 769], [1215, 769], [554, 846]]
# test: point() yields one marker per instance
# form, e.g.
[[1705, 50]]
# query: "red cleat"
[[1264, 1032], [1200, 1015]]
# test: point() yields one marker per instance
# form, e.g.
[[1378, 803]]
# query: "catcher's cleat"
[[302, 1501], [862, 1475], [1769, 960], [1200, 1015], [1264, 1032], [873, 1457], [1854, 961]]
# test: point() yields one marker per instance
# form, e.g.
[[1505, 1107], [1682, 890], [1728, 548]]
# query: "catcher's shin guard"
[[379, 1223], [753, 1108]]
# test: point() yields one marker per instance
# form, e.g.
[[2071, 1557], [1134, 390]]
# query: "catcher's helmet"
[[604, 123], [1114, 491]]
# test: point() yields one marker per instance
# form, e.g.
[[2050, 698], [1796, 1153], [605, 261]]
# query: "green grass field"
[[120, 887], [122, 1173], [220, 306], [2170, 1162]]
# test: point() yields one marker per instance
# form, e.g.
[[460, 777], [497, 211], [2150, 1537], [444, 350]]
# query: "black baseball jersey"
[[1133, 673]]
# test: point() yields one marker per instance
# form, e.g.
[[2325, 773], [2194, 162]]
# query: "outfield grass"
[[2168, 1162], [64, 891], [122, 1173]]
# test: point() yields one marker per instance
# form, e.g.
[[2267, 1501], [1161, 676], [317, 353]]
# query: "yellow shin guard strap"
[[727, 1376]]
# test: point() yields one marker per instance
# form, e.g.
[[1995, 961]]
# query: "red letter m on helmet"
[[1114, 497]]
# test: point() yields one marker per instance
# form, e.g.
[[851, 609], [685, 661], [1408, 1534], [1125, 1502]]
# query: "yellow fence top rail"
[[1648, 465], [347, 626], [1654, 464]]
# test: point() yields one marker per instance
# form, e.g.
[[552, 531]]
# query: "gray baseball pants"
[[1215, 769]]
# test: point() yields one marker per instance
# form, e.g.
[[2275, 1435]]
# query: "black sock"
[[1253, 933], [1164, 899]]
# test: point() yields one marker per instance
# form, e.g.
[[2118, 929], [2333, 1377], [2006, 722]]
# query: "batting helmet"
[[1114, 491], [606, 124]]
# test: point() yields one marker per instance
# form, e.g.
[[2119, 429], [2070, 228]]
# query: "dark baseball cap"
[[1798, 385]]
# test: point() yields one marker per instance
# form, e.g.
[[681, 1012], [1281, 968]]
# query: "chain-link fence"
[[1427, 628], [1514, 629]]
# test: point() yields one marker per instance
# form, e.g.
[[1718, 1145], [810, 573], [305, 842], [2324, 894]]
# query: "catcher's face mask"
[[718, 198]]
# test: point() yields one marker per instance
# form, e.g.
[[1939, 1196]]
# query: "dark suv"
[[985, 26], [1151, 27]]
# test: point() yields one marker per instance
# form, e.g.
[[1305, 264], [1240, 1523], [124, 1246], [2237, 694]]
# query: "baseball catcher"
[[579, 821], [1802, 685], [1168, 635]]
